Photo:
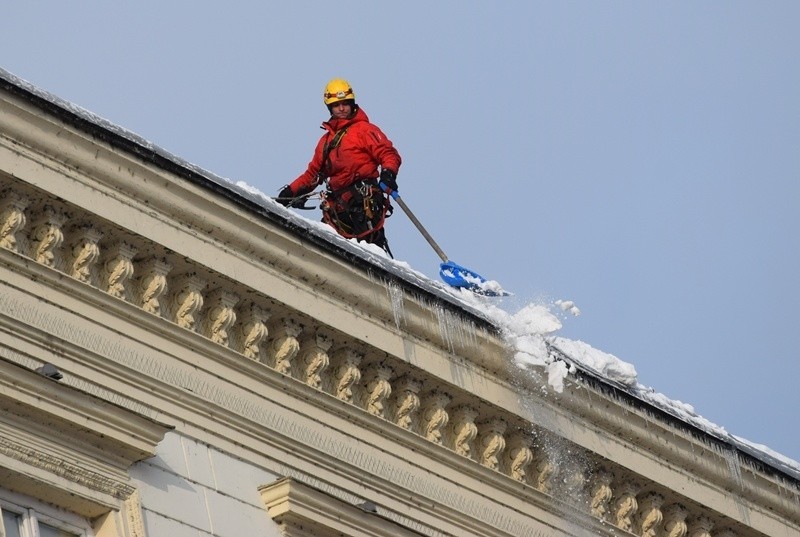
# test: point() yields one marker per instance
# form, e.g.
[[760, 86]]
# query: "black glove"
[[389, 178], [286, 196]]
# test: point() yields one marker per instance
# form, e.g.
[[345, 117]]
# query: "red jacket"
[[360, 151]]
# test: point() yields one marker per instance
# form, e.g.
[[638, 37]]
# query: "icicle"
[[444, 327], [455, 330], [398, 308], [732, 459]]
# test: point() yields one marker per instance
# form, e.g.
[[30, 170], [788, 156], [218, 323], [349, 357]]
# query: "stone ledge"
[[302, 510], [104, 440]]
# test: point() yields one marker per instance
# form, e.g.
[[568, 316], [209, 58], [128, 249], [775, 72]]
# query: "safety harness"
[[357, 211], [359, 215]]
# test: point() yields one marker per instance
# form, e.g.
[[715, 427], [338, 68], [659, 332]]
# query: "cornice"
[[223, 252], [92, 421], [256, 378], [58, 466], [238, 414], [51, 434], [298, 507]]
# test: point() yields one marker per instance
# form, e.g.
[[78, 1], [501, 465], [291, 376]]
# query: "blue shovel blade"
[[455, 275]]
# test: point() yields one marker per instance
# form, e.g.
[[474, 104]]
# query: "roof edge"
[[123, 139]]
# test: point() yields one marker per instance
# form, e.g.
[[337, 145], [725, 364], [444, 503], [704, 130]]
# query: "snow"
[[568, 305], [530, 332], [606, 365]]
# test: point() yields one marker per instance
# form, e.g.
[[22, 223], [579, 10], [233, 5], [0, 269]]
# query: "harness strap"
[[352, 187], [338, 225], [326, 154], [332, 209]]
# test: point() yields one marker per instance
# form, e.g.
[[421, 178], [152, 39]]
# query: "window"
[[11, 523], [26, 517]]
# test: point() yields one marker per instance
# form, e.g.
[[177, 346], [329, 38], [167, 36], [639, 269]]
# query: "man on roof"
[[351, 159]]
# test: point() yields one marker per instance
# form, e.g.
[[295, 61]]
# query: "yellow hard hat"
[[337, 90]]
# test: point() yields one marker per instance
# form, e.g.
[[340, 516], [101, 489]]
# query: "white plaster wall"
[[191, 489]]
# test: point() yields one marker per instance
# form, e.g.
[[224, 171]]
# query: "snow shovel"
[[452, 273]]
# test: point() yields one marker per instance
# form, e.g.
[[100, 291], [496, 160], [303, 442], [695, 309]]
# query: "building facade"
[[179, 358]]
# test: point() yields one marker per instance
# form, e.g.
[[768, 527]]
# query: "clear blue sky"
[[639, 158]]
